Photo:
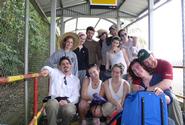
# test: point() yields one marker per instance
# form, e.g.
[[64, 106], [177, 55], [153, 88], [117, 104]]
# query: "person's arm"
[[53, 60], [164, 84], [167, 76], [75, 65], [45, 71], [85, 85], [110, 98], [126, 56], [99, 54], [107, 61], [102, 90], [159, 91], [126, 91]]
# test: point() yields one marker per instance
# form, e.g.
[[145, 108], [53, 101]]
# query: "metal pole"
[[26, 34], [118, 21], [53, 27], [183, 38], [35, 106], [150, 24]]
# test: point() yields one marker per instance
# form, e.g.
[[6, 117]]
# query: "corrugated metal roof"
[[81, 8]]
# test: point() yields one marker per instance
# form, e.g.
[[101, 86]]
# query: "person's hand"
[[63, 102], [158, 91], [44, 72], [118, 107]]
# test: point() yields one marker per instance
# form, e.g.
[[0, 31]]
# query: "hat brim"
[[71, 34]]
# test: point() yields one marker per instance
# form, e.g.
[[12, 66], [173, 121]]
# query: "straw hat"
[[70, 34], [101, 32]]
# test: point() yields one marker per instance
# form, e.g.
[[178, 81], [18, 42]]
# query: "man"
[[164, 70], [93, 47], [159, 66], [113, 29], [63, 92]]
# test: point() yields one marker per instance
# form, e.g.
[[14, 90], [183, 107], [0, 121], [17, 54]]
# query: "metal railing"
[[34, 76]]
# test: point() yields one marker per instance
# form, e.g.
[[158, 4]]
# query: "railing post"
[[35, 106]]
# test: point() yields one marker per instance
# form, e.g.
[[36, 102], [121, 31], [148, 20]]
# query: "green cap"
[[143, 54]]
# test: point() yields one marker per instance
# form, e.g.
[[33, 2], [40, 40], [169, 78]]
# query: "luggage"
[[144, 108]]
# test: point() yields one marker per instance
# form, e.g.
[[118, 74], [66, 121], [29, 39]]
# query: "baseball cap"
[[114, 27], [143, 54]]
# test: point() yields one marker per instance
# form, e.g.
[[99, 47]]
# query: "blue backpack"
[[144, 108]]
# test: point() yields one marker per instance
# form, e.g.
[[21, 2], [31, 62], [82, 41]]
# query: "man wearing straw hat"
[[68, 43]]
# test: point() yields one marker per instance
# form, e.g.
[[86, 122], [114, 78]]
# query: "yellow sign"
[[103, 2]]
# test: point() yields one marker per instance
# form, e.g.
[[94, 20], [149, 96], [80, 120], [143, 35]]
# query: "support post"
[[26, 37], [150, 24], [53, 27], [183, 38]]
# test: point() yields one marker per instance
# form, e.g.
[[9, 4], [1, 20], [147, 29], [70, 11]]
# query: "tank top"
[[119, 94], [91, 90], [118, 57]]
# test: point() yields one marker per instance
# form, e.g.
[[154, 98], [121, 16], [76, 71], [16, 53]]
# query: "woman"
[[83, 57], [116, 90], [146, 79], [90, 86], [103, 35], [116, 55], [69, 42]]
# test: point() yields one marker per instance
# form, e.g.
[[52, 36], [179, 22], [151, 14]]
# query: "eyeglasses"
[[65, 81]]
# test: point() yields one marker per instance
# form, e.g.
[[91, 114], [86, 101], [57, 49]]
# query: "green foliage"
[[12, 38]]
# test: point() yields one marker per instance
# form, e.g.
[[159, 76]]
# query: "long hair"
[[132, 74]]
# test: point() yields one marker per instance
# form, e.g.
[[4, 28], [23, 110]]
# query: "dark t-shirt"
[[83, 58]]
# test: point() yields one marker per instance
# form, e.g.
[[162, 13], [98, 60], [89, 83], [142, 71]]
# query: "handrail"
[[9, 79], [180, 96], [34, 76]]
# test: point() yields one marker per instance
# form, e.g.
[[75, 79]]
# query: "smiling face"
[[151, 62], [116, 73], [90, 34], [138, 70], [65, 66], [82, 39], [94, 72], [68, 43], [115, 43]]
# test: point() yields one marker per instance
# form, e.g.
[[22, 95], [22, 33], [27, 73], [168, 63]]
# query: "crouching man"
[[63, 92]]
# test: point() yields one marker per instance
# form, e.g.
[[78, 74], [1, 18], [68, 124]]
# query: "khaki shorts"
[[108, 108]]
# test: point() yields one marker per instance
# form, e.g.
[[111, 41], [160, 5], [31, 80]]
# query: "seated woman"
[[116, 89], [90, 86], [138, 71]]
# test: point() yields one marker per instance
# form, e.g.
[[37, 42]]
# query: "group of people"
[[79, 70]]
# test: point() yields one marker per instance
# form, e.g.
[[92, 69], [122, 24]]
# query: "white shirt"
[[58, 88], [91, 90]]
